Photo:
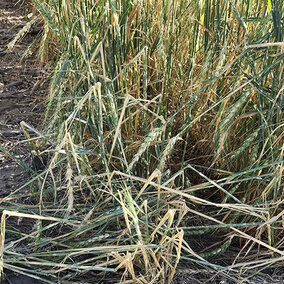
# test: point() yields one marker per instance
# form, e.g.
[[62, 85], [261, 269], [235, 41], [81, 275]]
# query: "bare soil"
[[22, 91]]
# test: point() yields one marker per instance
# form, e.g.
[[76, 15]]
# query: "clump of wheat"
[[165, 120]]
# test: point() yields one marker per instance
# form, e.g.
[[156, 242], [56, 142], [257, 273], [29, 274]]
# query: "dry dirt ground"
[[22, 88], [19, 92]]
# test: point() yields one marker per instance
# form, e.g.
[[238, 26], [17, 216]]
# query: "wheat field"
[[164, 132]]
